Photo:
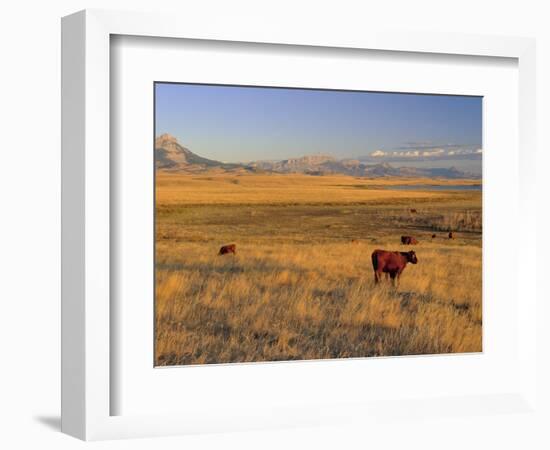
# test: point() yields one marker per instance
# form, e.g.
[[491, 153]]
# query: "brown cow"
[[408, 240], [226, 249], [433, 236], [413, 211], [392, 263], [451, 235]]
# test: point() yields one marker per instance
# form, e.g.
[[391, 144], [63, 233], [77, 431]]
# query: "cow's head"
[[411, 257]]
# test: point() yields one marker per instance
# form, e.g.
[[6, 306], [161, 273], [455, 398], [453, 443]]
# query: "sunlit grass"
[[298, 288]]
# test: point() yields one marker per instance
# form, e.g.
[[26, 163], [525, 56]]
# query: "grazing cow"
[[451, 235], [413, 211], [392, 263], [433, 236], [408, 240], [226, 249]]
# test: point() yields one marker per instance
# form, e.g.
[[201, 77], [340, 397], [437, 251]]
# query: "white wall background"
[[30, 196]]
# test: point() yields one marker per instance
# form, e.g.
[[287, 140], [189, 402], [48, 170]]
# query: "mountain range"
[[170, 155]]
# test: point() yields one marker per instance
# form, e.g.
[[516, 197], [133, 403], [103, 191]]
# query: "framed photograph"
[[267, 228], [264, 254]]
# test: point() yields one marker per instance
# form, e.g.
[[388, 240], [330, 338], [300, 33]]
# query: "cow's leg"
[[393, 276], [398, 276], [376, 277]]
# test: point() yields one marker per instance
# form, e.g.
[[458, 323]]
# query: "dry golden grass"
[[298, 288], [459, 221], [175, 189]]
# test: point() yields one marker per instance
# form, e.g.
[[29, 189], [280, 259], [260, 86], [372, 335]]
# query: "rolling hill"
[[171, 155]]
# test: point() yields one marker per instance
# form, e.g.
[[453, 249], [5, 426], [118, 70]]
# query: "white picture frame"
[[86, 222]]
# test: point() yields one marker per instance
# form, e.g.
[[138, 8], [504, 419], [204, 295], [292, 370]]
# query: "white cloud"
[[429, 153], [378, 153], [435, 152]]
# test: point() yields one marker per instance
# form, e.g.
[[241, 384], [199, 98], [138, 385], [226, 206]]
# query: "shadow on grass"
[[229, 267]]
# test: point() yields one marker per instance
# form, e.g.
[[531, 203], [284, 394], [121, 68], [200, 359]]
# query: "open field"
[[299, 288], [177, 189]]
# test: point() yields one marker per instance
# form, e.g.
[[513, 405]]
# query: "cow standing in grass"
[[391, 263], [408, 240], [226, 249]]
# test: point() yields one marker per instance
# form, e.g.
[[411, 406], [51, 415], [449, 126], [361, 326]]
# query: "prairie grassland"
[[298, 288], [178, 189]]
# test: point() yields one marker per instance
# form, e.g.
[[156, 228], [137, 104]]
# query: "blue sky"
[[238, 124]]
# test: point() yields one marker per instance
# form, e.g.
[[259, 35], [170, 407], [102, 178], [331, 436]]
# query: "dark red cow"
[[413, 211], [391, 263], [451, 235], [433, 236], [226, 249], [408, 240]]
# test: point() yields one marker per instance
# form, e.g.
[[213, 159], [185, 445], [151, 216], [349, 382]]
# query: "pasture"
[[298, 287]]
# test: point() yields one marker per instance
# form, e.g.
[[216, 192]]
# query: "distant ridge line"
[[170, 155]]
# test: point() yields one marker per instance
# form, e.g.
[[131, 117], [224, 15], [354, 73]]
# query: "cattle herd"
[[389, 263]]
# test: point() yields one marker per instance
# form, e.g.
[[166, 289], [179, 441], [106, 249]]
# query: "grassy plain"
[[299, 288]]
